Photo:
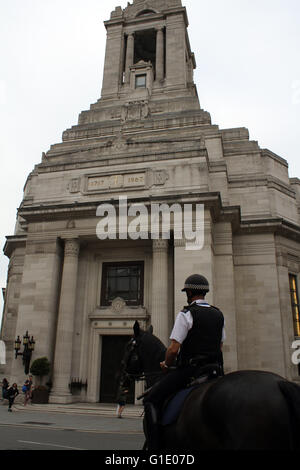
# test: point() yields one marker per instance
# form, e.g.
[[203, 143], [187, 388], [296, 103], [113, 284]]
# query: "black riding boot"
[[151, 427]]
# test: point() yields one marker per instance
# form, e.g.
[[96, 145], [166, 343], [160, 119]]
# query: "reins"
[[143, 376]]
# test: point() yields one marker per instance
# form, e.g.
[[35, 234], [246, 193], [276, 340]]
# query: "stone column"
[[159, 55], [129, 56], [65, 325], [160, 294]]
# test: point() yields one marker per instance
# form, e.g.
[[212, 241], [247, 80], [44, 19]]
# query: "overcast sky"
[[51, 63]]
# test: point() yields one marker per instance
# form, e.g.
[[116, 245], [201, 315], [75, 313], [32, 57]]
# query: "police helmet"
[[196, 282]]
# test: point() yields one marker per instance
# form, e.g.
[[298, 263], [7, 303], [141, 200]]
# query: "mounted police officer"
[[196, 340]]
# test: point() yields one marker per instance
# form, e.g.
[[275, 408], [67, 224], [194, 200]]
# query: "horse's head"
[[133, 359], [143, 352]]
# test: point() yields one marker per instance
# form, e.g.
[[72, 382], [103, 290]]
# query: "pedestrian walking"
[[122, 396], [12, 392], [26, 391]]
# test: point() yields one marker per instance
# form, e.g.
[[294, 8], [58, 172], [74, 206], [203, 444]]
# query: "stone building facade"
[[147, 138]]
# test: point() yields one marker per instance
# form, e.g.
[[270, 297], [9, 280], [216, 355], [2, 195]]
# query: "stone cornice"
[[106, 161], [211, 200], [13, 242], [268, 153], [274, 225], [240, 181], [128, 143], [161, 122]]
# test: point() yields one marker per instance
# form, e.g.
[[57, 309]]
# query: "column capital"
[[160, 245], [72, 247]]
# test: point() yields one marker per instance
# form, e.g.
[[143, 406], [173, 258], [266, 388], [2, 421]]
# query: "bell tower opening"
[[145, 47]]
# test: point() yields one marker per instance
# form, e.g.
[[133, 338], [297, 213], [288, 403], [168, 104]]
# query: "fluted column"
[[65, 325], [129, 56], [159, 55], [160, 294]]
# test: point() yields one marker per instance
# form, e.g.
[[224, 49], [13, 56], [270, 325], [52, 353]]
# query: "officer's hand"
[[164, 367]]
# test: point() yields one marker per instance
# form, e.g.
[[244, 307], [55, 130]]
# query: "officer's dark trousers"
[[172, 382]]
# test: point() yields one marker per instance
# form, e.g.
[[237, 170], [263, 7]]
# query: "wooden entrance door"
[[112, 354]]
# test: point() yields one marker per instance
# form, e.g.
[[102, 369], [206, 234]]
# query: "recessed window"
[[140, 81], [125, 280], [295, 303]]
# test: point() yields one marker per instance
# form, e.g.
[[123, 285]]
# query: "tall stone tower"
[[148, 139]]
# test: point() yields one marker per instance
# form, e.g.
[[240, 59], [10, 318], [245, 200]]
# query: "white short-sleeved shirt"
[[184, 323]]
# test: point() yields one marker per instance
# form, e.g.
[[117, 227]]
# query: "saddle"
[[172, 407]]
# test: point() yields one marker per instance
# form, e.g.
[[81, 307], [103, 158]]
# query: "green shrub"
[[40, 367]]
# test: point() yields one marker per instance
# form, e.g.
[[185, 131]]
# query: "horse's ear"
[[136, 328], [150, 330]]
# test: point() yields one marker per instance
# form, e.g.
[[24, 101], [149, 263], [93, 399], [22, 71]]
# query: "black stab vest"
[[204, 338]]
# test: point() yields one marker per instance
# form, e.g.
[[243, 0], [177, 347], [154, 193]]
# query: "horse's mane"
[[152, 351], [152, 343]]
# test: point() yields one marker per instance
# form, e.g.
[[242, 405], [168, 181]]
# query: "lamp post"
[[28, 344]]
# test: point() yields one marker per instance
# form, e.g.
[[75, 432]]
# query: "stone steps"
[[108, 410]]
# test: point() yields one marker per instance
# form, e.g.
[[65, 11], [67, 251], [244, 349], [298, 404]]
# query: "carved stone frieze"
[[74, 185], [160, 177], [135, 111]]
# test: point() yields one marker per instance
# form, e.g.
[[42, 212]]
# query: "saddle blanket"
[[173, 407]]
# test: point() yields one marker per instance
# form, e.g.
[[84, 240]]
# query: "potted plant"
[[40, 368]]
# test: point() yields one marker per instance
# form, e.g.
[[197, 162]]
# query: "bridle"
[[132, 354]]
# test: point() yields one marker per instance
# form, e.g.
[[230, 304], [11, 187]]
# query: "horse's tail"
[[291, 392]]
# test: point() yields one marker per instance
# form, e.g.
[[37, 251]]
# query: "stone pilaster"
[[113, 61], [176, 51], [36, 292], [159, 55], [159, 314], [65, 326], [129, 57], [180, 274]]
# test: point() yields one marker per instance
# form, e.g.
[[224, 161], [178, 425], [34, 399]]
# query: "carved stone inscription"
[[115, 181]]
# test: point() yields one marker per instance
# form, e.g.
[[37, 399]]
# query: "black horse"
[[244, 410]]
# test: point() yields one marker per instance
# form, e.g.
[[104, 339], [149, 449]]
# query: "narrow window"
[[125, 280], [295, 303], [140, 81]]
